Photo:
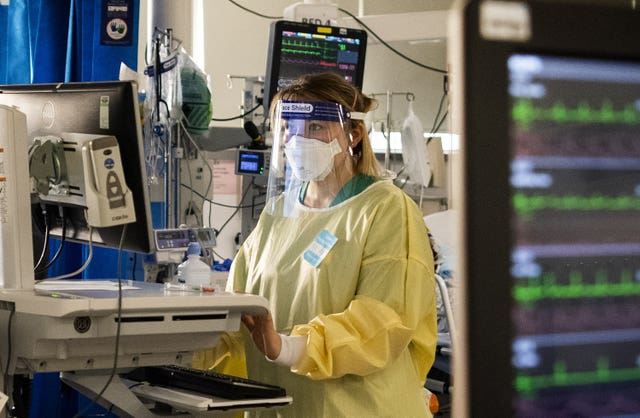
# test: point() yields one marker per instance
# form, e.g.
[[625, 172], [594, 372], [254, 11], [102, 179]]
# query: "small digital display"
[[173, 238], [251, 166], [179, 239], [250, 163], [304, 53], [171, 234]]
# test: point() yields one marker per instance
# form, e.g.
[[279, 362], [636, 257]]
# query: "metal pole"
[[387, 153]]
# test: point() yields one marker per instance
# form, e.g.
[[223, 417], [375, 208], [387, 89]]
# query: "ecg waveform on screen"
[[575, 259], [311, 62], [561, 377], [323, 50], [547, 287], [525, 204], [525, 112]]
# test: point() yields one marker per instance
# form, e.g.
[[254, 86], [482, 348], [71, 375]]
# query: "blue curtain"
[[43, 41], [61, 40], [33, 42], [64, 40]]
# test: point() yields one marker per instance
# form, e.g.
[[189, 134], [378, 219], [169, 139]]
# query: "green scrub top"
[[352, 188]]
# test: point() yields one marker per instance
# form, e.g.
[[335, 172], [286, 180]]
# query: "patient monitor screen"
[[574, 136], [297, 48]]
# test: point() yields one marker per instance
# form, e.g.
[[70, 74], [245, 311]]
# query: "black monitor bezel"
[[124, 125], [274, 51], [574, 29]]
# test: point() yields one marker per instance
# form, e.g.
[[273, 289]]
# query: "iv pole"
[[389, 95]]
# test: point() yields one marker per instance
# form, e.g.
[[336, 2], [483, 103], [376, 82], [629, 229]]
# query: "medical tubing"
[[204, 160]]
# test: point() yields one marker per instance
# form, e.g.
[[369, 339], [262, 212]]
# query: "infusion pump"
[[179, 239], [171, 244]]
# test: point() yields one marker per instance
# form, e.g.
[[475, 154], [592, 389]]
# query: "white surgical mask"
[[311, 159]]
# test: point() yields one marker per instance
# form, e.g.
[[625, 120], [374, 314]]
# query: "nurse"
[[344, 259]]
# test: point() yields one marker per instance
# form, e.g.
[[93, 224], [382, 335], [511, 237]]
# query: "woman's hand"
[[264, 334]]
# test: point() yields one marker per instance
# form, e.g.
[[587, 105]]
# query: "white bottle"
[[194, 271]]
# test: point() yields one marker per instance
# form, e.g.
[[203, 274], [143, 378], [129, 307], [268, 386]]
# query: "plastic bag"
[[195, 95], [161, 112], [414, 150], [175, 89]]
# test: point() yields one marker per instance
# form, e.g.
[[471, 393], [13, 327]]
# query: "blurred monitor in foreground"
[[550, 118]]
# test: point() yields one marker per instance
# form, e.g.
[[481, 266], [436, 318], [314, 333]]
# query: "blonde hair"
[[331, 87]]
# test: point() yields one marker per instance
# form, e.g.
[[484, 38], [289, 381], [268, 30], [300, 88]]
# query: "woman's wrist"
[[291, 350]]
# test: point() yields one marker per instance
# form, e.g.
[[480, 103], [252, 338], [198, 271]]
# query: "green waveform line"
[[525, 112], [327, 50], [562, 378], [526, 204], [322, 54], [306, 45], [546, 287], [301, 52]]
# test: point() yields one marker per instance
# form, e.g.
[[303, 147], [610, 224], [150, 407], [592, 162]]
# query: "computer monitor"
[[550, 122], [297, 48], [74, 112]]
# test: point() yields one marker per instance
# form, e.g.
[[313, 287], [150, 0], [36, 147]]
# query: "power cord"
[[81, 269], [361, 23], [248, 112], [62, 242], [5, 370], [253, 12], [237, 208], [222, 204], [392, 49], [45, 244]]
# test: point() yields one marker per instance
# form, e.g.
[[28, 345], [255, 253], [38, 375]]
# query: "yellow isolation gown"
[[367, 310]]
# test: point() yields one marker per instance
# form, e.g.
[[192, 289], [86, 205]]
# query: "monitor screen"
[[551, 143], [74, 112], [575, 233], [297, 48]]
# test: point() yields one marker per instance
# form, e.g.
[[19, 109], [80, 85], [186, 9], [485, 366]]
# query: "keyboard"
[[206, 382]]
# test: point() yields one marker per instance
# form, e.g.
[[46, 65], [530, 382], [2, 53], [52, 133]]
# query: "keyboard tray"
[[206, 382]]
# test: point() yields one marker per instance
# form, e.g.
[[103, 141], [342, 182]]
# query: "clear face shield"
[[311, 158]]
